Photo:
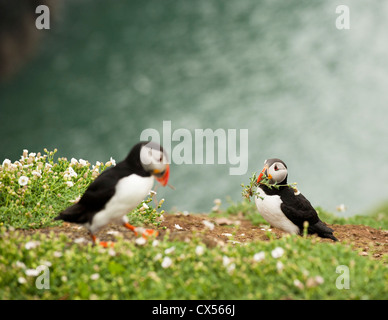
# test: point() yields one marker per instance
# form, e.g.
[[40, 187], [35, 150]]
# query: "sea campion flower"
[[277, 252], [199, 250], [23, 180], [167, 262], [259, 256]]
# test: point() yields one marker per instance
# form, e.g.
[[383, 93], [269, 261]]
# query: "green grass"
[[187, 270], [130, 271]]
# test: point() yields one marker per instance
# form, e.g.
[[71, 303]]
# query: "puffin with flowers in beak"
[[120, 189], [283, 206]]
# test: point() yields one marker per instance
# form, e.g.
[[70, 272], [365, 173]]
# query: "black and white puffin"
[[120, 189], [285, 207]]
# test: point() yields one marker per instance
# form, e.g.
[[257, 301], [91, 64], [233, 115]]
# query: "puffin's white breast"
[[269, 207], [130, 191]]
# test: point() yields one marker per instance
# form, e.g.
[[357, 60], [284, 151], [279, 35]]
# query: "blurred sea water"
[[308, 93]]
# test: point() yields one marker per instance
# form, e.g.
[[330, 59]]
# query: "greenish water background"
[[308, 93]]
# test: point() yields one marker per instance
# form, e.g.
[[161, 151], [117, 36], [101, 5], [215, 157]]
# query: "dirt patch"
[[366, 240]]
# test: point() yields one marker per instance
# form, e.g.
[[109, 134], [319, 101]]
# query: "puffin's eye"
[[276, 168]]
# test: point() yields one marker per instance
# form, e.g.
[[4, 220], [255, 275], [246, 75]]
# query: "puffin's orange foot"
[[107, 244]]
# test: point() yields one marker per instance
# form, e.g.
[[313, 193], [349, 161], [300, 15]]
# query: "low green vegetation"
[[50, 266]]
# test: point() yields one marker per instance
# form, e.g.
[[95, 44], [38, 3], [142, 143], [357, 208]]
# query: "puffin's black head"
[[150, 157], [276, 171]]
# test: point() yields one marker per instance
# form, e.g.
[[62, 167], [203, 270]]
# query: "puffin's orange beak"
[[163, 180], [261, 174]]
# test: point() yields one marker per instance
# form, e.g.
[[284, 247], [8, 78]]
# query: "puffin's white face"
[[277, 172], [274, 170], [155, 161]]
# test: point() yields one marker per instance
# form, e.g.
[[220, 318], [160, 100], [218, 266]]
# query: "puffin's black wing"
[[298, 209], [99, 192]]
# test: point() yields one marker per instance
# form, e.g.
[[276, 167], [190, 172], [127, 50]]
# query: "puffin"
[[120, 189], [283, 206]]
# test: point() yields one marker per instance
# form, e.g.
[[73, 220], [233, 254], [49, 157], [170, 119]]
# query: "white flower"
[[231, 267], [208, 224], [22, 280], [167, 262], [37, 173], [158, 257], [140, 241], [199, 250], [20, 264], [225, 261], [341, 208], [298, 284], [169, 250], [69, 183], [113, 161], [23, 180], [79, 240], [277, 252], [32, 272], [83, 162], [6, 162], [152, 192], [57, 254], [32, 154], [177, 226], [279, 266], [73, 161], [95, 276], [72, 173], [64, 279], [111, 252], [31, 244], [155, 243], [145, 206], [186, 213], [259, 256]]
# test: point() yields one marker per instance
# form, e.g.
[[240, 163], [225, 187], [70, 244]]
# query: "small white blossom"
[[23, 180], [277, 252], [73, 161], [140, 241], [57, 254], [95, 276], [298, 284], [113, 161], [37, 173], [155, 243], [225, 261], [167, 262], [145, 206], [72, 173], [79, 240], [20, 264], [69, 183], [31, 244], [231, 267], [158, 257], [83, 162], [199, 250], [177, 226], [169, 250], [279, 266], [259, 256], [22, 280], [6, 162]]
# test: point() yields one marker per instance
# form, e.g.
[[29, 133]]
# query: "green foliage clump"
[[34, 189], [288, 268]]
